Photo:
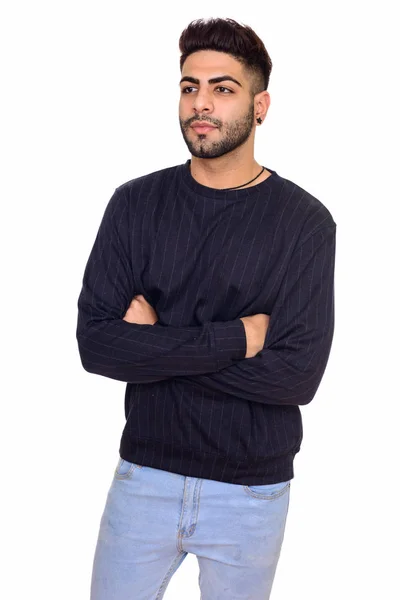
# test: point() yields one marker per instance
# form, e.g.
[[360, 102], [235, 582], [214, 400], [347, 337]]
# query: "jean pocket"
[[267, 491], [124, 469]]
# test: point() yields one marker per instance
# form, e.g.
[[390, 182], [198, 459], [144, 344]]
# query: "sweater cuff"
[[230, 342]]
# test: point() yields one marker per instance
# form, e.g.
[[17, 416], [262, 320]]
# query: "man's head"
[[215, 49]]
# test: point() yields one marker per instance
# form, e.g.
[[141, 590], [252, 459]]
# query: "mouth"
[[203, 128]]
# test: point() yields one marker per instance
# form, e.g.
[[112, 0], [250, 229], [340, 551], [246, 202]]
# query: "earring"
[[259, 120]]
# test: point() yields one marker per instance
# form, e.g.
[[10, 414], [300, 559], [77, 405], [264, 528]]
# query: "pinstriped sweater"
[[203, 258]]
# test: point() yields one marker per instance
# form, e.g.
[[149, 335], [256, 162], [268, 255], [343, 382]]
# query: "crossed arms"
[[287, 370]]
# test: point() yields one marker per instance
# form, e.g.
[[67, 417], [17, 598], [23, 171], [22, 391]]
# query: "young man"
[[210, 291]]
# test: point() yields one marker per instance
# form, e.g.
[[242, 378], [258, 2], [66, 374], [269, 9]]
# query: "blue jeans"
[[153, 518]]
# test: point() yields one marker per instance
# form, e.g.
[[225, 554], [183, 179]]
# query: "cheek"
[[183, 111], [183, 100]]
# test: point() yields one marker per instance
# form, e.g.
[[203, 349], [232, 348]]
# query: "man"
[[210, 291]]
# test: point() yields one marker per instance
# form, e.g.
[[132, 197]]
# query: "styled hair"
[[226, 35]]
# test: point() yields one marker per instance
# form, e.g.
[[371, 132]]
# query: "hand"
[[140, 312], [256, 330]]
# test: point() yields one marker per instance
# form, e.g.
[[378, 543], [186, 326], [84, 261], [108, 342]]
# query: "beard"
[[235, 134]]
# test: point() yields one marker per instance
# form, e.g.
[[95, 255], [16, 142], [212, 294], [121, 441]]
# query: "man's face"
[[225, 104]]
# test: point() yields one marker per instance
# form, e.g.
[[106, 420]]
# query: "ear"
[[262, 102]]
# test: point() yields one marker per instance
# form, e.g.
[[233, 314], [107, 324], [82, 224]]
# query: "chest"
[[210, 261]]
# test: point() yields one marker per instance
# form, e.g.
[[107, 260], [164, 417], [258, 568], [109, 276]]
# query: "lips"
[[203, 127]]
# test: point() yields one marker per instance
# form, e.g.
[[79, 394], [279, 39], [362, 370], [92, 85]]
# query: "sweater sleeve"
[[290, 367], [129, 352]]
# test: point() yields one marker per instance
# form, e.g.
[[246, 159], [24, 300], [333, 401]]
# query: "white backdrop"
[[90, 101]]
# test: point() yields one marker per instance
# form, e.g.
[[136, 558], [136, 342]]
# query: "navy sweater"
[[203, 258]]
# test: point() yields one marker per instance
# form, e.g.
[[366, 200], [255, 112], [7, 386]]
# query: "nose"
[[202, 101]]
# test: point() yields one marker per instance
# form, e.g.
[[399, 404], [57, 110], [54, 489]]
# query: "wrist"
[[230, 342]]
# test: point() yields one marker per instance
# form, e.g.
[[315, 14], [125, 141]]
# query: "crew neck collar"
[[203, 190]]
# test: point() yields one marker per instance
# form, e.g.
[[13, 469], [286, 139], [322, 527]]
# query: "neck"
[[223, 172]]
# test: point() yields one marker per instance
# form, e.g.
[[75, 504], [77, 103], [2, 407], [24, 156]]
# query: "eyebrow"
[[213, 80]]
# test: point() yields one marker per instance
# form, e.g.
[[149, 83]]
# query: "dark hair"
[[226, 35]]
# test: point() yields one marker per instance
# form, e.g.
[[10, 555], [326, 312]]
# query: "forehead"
[[208, 63]]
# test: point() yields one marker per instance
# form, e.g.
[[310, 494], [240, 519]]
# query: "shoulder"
[[148, 184], [303, 207]]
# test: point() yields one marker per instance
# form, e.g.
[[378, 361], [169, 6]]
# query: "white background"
[[90, 100]]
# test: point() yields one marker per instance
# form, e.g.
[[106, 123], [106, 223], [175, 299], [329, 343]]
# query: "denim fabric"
[[152, 519]]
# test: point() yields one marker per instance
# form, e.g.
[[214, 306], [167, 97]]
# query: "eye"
[[220, 87]]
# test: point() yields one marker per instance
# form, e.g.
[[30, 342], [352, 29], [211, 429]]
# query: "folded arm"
[[114, 348], [290, 367]]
